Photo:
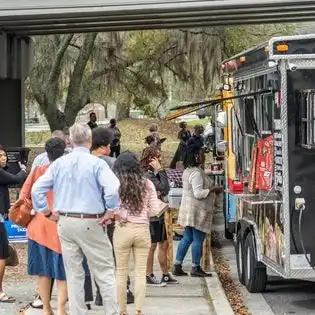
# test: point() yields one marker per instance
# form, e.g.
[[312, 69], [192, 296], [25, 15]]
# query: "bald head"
[[58, 134]]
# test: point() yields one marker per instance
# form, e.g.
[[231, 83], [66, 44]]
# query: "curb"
[[217, 295]]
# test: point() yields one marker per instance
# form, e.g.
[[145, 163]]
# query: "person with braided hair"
[[151, 163]]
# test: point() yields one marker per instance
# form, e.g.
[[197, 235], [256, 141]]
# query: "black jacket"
[[7, 179], [160, 181]]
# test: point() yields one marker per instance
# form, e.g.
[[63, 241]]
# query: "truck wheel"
[[239, 251], [255, 274]]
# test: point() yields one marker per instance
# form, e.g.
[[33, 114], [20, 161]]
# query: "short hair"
[[112, 121], [55, 148], [58, 134], [101, 137], [199, 129], [92, 114], [153, 128], [80, 134], [182, 124]]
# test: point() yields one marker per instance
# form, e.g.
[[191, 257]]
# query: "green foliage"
[[37, 138], [239, 38], [138, 69]]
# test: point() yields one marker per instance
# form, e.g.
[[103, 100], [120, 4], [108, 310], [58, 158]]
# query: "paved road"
[[282, 297]]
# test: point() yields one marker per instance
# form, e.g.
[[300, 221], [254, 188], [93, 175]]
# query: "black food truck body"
[[270, 159]]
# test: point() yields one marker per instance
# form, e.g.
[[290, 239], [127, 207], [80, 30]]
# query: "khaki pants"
[[133, 238], [86, 237]]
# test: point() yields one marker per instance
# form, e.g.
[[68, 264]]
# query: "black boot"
[[178, 271], [198, 272]]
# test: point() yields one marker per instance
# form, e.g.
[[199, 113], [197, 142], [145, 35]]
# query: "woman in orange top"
[[44, 249]]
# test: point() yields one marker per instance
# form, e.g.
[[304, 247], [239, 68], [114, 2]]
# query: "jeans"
[[194, 238], [131, 238]]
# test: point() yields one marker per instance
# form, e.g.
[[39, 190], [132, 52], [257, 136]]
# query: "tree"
[[133, 69]]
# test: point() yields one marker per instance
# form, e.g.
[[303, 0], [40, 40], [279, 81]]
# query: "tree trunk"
[[56, 120], [106, 110], [122, 111]]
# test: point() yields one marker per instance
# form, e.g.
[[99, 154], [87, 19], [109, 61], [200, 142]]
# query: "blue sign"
[[16, 233]]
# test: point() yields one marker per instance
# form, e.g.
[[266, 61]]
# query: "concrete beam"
[[37, 16]]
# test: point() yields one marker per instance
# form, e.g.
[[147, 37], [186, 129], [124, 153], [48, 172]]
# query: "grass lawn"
[[192, 123], [133, 133]]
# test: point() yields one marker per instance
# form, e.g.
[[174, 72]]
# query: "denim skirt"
[[44, 262]]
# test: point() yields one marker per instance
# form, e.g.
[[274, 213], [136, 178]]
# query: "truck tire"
[[239, 251], [255, 273]]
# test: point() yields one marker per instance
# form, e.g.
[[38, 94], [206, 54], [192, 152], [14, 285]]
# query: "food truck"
[[270, 159], [267, 115]]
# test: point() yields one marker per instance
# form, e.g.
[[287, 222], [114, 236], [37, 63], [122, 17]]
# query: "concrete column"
[[16, 55], [11, 113]]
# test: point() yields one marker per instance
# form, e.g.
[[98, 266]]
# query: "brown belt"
[[81, 215]]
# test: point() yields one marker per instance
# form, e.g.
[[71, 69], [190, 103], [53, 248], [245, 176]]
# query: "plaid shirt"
[[175, 177]]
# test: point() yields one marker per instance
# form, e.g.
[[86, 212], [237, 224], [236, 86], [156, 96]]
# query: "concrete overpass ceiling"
[[33, 17]]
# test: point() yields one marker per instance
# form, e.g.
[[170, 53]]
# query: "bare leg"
[[62, 293], [2, 269], [44, 292], [151, 259], [162, 256]]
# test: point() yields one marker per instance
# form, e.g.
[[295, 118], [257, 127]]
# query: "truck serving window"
[[249, 116], [306, 102]]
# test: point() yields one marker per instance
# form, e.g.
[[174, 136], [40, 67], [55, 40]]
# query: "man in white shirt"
[[42, 159]]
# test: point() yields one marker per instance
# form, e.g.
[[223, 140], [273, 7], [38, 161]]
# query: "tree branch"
[[75, 92], [57, 66]]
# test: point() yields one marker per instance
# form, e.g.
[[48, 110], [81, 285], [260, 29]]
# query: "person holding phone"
[[6, 179], [151, 163]]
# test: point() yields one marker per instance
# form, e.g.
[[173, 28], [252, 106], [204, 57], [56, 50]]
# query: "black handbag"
[[13, 259]]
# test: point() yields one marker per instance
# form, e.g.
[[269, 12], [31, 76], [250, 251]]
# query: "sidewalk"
[[190, 296]]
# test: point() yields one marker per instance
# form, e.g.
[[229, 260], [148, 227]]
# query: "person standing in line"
[[6, 179], [196, 209], [183, 136], [101, 140], [115, 145], [93, 121], [198, 135], [44, 249], [154, 139], [151, 164], [84, 186], [42, 158], [139, 202]]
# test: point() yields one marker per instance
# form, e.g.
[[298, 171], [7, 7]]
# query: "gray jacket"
[[109, 160]]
